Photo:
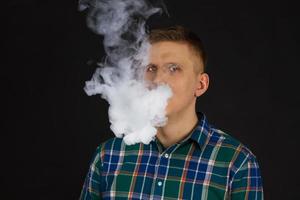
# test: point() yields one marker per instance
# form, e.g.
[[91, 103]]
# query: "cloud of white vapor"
[[135, 110]]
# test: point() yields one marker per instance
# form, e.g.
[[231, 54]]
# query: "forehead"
[[170, 51]]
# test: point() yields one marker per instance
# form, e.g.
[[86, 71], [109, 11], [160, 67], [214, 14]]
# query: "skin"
[[176, 64]]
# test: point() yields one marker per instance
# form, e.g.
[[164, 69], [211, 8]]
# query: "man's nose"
[[159, 77]]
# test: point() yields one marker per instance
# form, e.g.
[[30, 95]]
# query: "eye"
[[151, 68], [173, 67]]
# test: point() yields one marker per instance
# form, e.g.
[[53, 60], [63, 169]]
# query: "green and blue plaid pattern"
[[208, 164]]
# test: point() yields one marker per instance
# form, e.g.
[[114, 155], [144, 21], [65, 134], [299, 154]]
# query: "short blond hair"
[[180, 34]]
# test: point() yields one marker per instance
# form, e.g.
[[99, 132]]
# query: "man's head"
[[177, 58]]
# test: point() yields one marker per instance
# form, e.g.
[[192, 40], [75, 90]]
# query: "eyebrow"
[[151, 64], [155, 65]]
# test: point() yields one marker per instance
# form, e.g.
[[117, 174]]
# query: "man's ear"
[[202, 84]]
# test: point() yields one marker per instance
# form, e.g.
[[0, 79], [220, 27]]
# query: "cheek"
[[182, 95], [148, 76], [182, 89]]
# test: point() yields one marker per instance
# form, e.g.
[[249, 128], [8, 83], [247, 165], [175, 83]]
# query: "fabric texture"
[[208, 164]]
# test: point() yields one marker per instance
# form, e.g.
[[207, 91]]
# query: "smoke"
[[135, 109]]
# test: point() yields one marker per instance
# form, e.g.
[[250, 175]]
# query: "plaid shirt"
[[208, 164]]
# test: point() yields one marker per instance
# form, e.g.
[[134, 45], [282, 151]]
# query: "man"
[[189, 158]]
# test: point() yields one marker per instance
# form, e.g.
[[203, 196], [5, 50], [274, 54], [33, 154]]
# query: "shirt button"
[[166, 155], [159, 183]]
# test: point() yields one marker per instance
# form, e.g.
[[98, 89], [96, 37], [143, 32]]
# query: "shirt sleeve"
[[247, 182], [92, 184]]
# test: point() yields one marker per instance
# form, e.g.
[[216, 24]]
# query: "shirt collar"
[[202, 131]]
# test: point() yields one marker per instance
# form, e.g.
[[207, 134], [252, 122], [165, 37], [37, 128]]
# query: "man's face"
[[173, 63]]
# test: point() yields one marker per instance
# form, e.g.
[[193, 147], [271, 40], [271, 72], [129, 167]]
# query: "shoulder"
[[231, 154], [114, 148], [231, 150], [116, 144], [243, 169], [110, 144]]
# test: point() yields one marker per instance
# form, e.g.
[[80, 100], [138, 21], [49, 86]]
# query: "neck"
[[177, 128]]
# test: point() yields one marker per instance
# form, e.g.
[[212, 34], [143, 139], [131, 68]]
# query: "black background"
[[51, 127]]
